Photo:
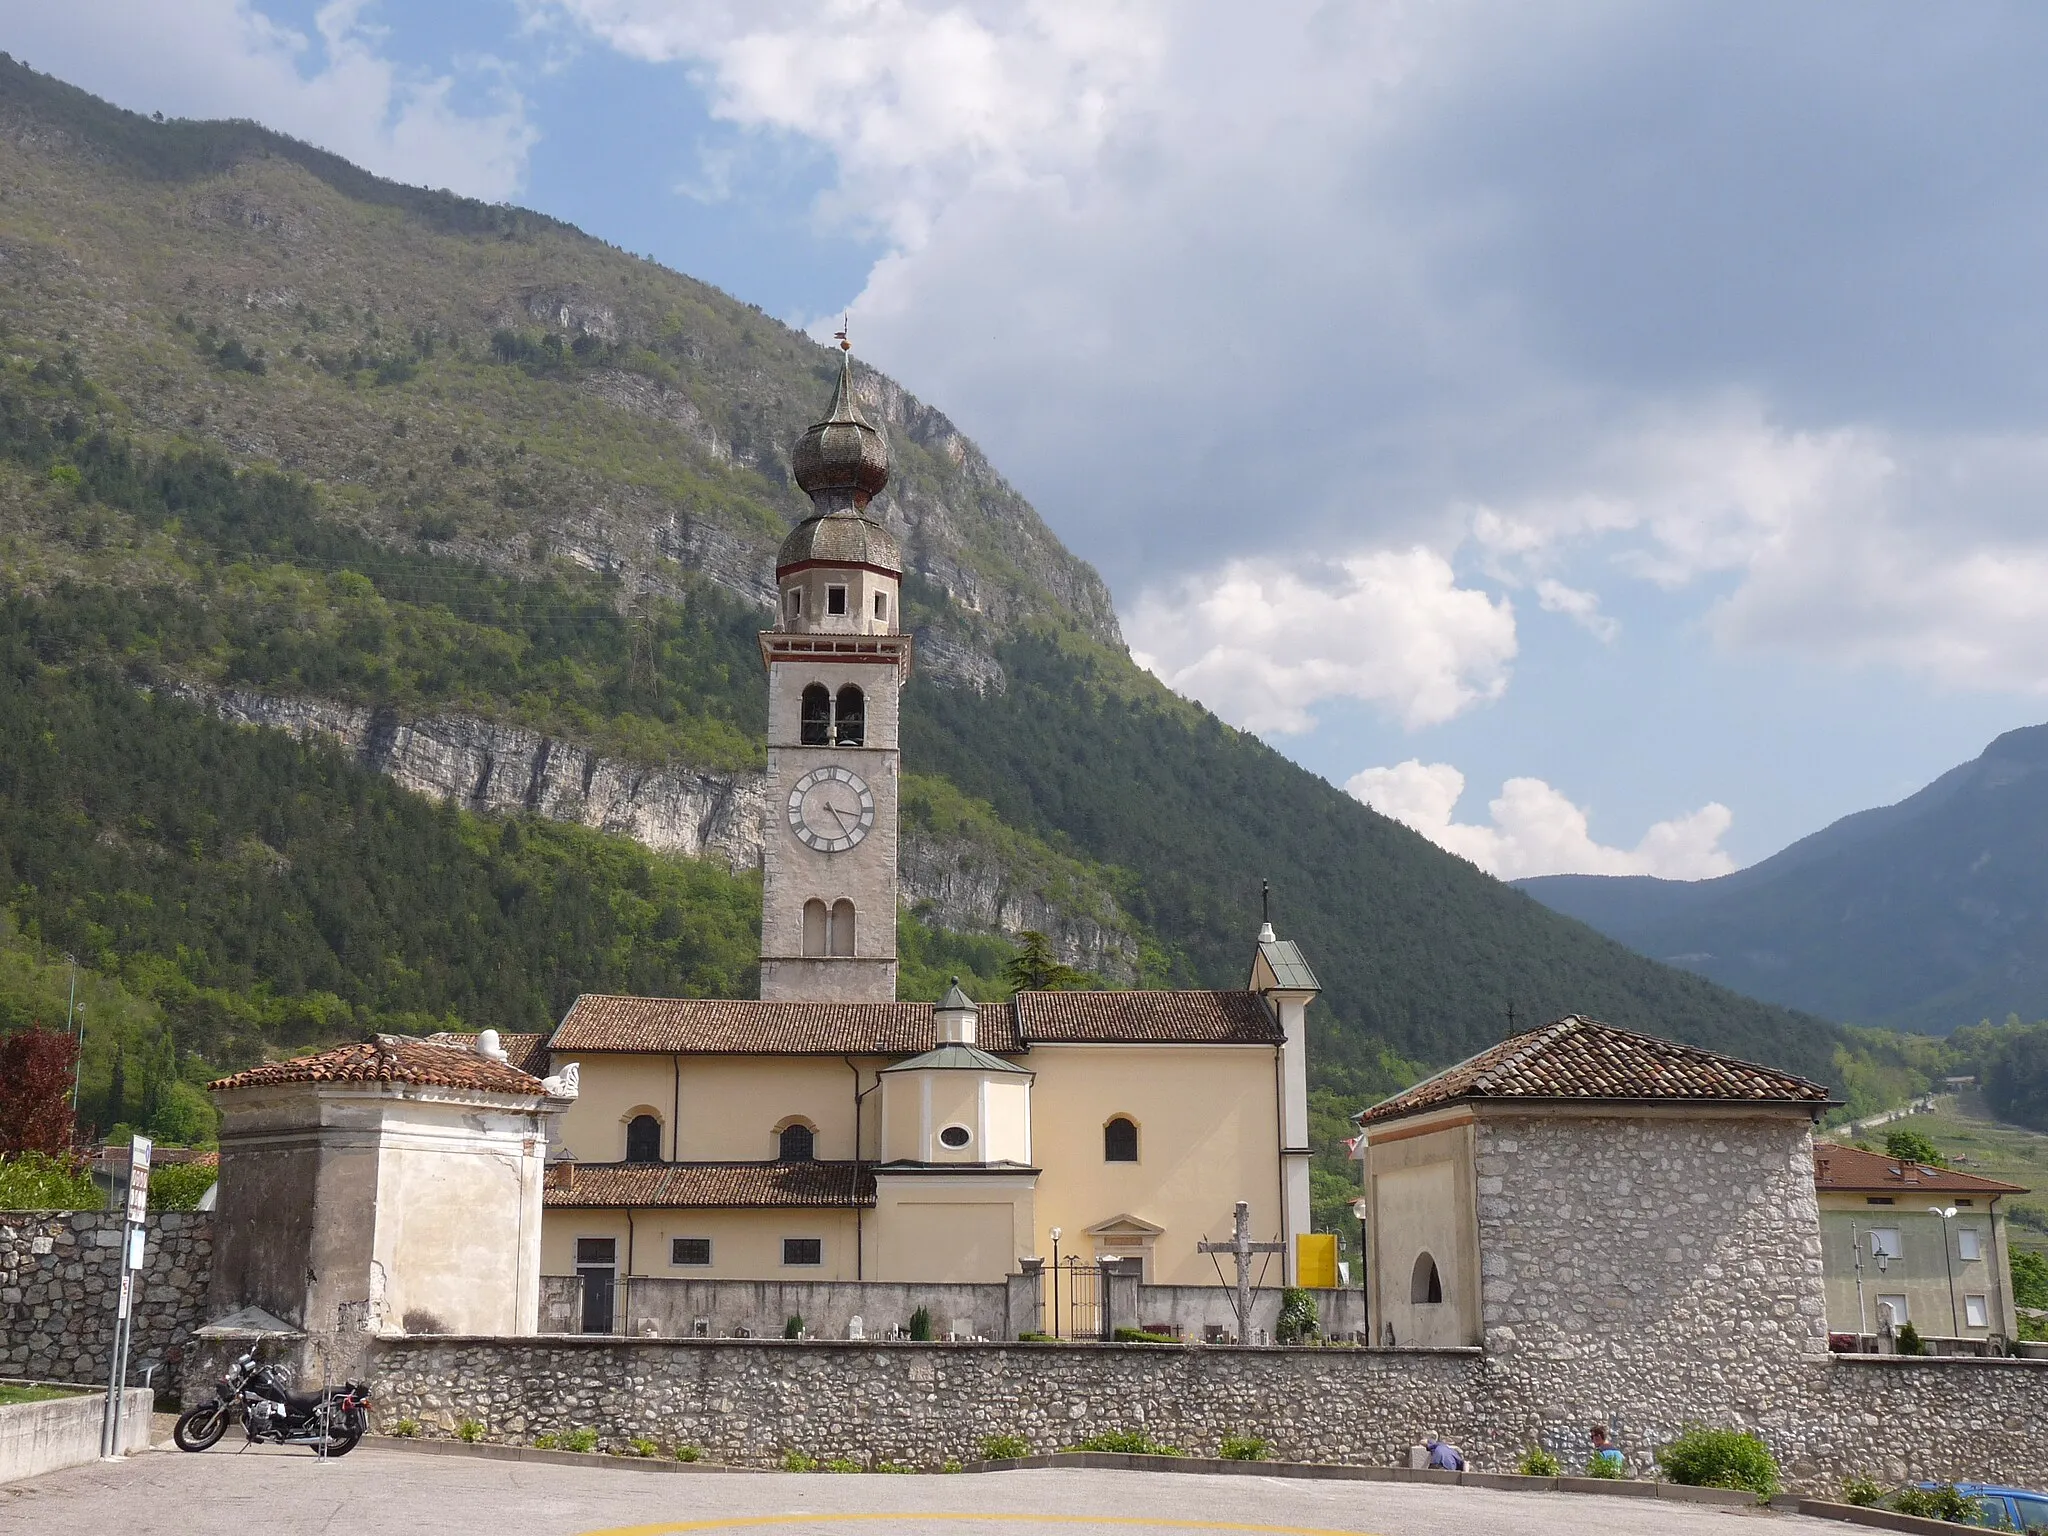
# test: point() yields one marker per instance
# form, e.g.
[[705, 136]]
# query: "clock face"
[[831, 809]]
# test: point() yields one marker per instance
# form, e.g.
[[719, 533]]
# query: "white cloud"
[[1210, 280], [1262, 642], [226, 58], [1535, 830]]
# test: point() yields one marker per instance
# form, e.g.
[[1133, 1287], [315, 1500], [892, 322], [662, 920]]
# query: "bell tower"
[[837, 661]]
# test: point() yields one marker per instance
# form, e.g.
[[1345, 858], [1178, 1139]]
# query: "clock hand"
[[844, 830]]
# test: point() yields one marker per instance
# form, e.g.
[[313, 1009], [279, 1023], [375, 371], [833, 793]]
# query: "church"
[[828, 1130]]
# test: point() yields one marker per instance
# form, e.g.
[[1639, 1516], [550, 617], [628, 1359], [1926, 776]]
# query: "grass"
[[17, 1392], [1967, 1133]]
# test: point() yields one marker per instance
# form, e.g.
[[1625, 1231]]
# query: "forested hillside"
[[1930, 914], [269, 424]]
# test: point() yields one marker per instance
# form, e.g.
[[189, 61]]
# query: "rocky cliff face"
[[491, 767]]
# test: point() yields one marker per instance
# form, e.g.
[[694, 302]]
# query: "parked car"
[[2018, 1509]]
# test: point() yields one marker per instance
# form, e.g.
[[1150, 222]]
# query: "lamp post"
[[1947, 1214], [1054, 1330]]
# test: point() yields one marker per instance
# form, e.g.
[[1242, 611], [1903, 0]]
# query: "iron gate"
[[1070, 1301]]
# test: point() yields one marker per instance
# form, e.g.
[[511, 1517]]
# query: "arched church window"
[[798, 1143], [841, 928], [643, 1139], [1425, 1286], [817, 928], [816, 722], [852, 716], [1120, 1141]]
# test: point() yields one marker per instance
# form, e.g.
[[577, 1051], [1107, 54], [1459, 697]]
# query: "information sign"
[[138, 1178]]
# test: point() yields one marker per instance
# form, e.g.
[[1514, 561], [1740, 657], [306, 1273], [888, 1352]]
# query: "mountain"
[[314, 489], [1924, 915]]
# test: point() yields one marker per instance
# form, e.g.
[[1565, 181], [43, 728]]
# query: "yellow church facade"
[[827, 1130]]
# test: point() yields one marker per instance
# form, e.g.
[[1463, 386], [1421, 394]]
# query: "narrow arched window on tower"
[[852, 716], [1425, 1285], [643, 1139], [797, 1144], [816, 725], [841, 930], [1120, 1141], [817, 928]]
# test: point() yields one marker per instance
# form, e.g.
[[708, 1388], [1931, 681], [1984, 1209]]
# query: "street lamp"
[[1947, 1214], [1054, 1330]]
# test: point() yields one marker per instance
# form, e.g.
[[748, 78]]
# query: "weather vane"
[[845, 325]]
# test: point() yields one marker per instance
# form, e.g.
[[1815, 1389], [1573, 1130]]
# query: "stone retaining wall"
[[60, 1272], [750, 1401]]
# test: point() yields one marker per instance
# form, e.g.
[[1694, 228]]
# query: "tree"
[[35, 1092], [159, 1076], [2016, 1077], [1913, 1147], [1035, 968]]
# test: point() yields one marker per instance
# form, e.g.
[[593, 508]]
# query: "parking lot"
[[287, 1493]]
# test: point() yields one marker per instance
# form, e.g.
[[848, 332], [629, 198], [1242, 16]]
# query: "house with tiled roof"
[[1579, 1186], [1905, 1242], [830, 1131]]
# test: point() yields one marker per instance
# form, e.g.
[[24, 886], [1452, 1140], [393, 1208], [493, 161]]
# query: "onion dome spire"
[[842, 461]]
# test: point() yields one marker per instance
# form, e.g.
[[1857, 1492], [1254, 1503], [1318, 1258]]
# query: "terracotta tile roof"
[[1147, 1018], [741, 1026], [526, 1052], [1851, 1168], [697, 1186], [1577, 1058], [391, 1059], [744, 1026]]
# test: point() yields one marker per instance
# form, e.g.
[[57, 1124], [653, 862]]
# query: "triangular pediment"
[[1125, 1226]]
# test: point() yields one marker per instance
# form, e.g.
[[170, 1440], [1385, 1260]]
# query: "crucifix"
[[1243, 1247]]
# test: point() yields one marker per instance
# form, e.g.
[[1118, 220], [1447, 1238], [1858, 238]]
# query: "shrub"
[[1537, 1462], [580, 1440], [178, 1186], [1612, 1468], [1131, 1442], [1033, 1336], [1142, 1336], [1941, 1502], [921, 1325], [893, 1466], [1913, 1147], [1910, 1342], [1862, 1492], [1242, 1448], [1004, 1447], [547, 1442], [793, 1326], [40, 1181], [1299, 1321], [1721, 1458], [640, 1445], [951, 1464], [469, 1431], [420, 1320], [797, 1461], [842, 1464], [688, 1453], [406, 1429]]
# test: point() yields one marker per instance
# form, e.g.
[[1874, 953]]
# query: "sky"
[[1611, 437]]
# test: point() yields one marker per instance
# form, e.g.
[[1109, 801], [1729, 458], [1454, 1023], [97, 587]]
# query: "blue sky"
[[1608, 435]]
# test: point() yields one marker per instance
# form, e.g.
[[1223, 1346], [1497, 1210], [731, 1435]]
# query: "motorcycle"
[[330, 1422]]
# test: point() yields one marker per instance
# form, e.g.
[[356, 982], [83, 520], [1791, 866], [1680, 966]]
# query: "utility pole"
[[1242, 1247], [1948, 1262]]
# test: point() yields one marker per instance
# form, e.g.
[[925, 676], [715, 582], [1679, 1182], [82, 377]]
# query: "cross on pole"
[[1242, 1246]]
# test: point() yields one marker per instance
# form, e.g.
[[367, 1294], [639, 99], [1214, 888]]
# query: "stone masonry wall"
[[60, 1272], [749, 1401]]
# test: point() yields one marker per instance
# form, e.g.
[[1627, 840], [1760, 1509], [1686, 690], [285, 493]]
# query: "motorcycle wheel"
[[352, 1430], [200, 1428]]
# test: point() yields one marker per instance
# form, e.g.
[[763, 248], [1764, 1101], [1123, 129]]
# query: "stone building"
[[1923, 1245], [1583, 1190], [829, 1131], [386, 1184]]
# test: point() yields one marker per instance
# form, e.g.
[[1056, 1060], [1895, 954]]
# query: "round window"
[[956, 1136]]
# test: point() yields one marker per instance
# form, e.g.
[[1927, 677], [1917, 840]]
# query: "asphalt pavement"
[[277, 1492]]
